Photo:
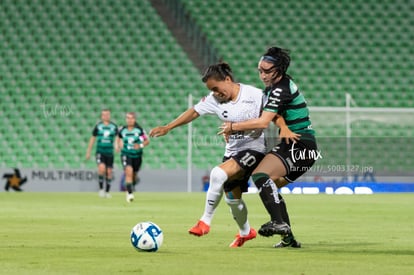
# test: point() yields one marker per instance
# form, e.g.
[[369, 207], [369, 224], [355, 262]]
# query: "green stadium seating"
[[61, 62], [334, 45]]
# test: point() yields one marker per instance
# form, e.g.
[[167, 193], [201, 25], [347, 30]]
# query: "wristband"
[[141, 145]]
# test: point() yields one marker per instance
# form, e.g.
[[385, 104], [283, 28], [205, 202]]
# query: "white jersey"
[[248, 105]]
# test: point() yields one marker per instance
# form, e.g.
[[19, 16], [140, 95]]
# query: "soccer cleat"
[[271, 228], [101, 193], [240, 240], [200, 229], [129, 197], [108, 196], [288, 242]]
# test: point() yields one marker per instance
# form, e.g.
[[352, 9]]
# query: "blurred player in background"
[[105, 133], [132, 140], [294, 155], [230, 101]]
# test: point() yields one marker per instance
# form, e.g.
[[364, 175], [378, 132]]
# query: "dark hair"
[[131, 114], [218, 71], [279, 58]]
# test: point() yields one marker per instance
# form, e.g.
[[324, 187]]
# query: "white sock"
[[239, 210], [214, 193]]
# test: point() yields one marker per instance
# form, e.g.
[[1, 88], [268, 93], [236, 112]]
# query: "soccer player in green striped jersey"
[[132, 140], [104, 133], [297, 150]]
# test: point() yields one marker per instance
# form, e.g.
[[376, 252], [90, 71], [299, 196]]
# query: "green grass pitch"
[[80, 233]]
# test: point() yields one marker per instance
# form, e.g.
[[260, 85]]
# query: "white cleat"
[[130, 197], [108, 196], [101, 193]]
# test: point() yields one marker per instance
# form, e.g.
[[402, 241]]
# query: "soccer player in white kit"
[[230, 101]]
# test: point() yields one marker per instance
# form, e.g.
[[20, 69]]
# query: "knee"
[[218, 175], [260, 179], [101, 169], [217, 179], [128, 172], [109, 173]]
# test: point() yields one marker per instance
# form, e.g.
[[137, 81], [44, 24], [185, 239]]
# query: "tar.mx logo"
[[304, 154]]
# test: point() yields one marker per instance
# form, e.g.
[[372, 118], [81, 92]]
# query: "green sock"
[[108, 184], [100, 181]]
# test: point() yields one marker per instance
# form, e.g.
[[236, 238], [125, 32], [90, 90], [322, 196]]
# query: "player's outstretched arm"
[[182, 119], [261, 122], [145, 141], [88, 151]]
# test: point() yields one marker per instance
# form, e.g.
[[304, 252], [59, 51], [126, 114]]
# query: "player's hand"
[[117, 149], [225, 129], [159, 131], [226, 137], [136, 146], [288, 135], [88, 156]]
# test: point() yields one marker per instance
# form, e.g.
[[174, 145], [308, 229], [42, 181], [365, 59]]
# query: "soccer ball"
[[146, 236]]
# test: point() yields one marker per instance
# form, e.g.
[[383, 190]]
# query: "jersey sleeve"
[[207, 105], [95, 130], [120, 132], [116, 128], [278, 99], [143, 136]]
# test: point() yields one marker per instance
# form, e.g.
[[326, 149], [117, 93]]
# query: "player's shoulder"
[[98, 123], [138, 127], [285, 84], [251, 92], [121, 128], [207, 99], [249, 88], [113, 124]]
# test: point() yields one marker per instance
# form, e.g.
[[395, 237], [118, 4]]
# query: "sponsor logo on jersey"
[[238, 135], [272, 103]]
